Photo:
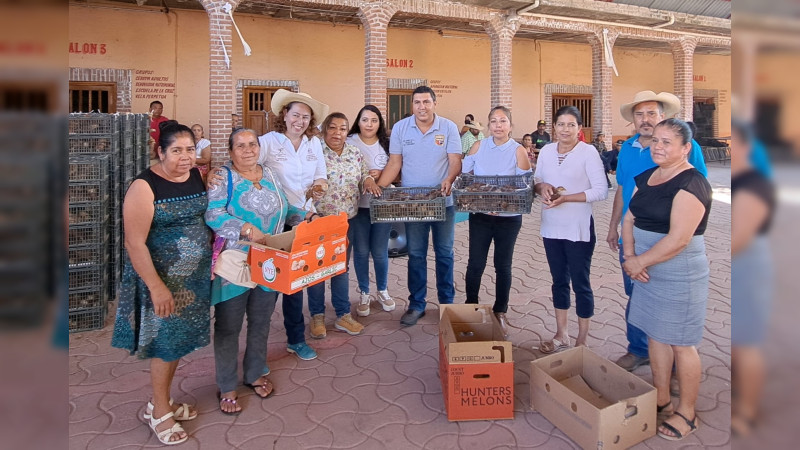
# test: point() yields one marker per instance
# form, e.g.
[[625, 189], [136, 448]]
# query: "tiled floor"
[[381, 389]]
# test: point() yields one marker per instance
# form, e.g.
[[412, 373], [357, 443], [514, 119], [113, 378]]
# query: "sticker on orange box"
[[318, 275], [268, 270]]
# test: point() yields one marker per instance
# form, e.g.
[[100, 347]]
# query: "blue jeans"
[[417, 234], [637, 339], [483, 229], [293, 319], [370, 238], [571, 261], [340, 290]]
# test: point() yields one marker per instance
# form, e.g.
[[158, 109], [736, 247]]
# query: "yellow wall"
[[328, 63]]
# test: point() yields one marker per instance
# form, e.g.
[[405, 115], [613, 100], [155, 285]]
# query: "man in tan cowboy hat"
[[473, 135], [645, 112]]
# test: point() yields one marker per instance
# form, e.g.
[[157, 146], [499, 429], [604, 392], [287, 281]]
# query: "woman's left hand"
[[634, 268], [554, 202], [371, 186]]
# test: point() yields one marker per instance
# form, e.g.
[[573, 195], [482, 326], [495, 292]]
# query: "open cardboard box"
[[306, 255], [592, 400], [475, 364]]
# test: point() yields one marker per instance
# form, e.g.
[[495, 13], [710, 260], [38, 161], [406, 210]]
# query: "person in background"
[[753, 204], [569, 177], [665, 256], [645, 111], [473, 135], [527, 144], [599, 143], [468, 119], [164, 299], [236, 122], [203, 148], [427, 148], [369, 135], [496, 155], [156, 119], [540, 137], [250, 207], [348, 176]]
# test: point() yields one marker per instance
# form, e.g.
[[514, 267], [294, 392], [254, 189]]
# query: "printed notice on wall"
[[442, 88], [152, 86]]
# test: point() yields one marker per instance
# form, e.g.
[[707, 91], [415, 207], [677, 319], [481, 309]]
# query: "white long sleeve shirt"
[[581, 171]]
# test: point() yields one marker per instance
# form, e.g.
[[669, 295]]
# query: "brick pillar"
[[501, 30], [221, 87], [743, 76], [683, 82], [375, 16], [602, 111]]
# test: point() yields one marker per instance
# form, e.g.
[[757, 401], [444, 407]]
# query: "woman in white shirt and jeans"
[[569, 176]]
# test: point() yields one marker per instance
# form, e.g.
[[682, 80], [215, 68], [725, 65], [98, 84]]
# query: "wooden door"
[[87, 97], [256, 103], [399, 105], [584, 105]]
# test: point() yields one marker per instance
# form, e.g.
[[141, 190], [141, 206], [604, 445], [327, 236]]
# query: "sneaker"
[[302, 350], [349, 325], [317, 326], [363, 308], [631, 362], [386, 300]]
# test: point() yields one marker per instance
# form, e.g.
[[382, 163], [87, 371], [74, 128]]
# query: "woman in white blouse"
[[203, 148], [569, 176]]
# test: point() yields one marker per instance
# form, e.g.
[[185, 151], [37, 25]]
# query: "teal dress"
[[180, 246]]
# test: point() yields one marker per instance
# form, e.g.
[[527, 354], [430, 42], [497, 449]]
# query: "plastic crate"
[[408, 204], [89, 168], [108, 143], [90, 298], [93, 123], [88, 192], [92, 233], [88, 319], [80, 256], [493, 194], [89, 277]]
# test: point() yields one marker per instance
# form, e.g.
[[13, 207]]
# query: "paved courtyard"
[[381, 390]]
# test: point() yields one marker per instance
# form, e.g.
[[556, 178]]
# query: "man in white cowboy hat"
[[473, 135], [645, 111], [428, 149]]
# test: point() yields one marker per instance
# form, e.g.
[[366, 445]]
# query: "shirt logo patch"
[[381, 159], [311, 156], [439, 140]]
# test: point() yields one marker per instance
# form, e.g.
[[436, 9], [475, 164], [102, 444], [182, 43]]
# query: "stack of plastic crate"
[[141, 139], [94, 146]]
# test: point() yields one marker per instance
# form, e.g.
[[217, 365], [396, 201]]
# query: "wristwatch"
[[247, 232]]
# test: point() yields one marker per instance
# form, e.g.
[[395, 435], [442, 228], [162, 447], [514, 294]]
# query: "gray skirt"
[[671, 307], [751, 292]]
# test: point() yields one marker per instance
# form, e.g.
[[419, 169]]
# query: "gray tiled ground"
[[381, 389]]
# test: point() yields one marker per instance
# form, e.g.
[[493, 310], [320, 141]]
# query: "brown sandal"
[[677, 434], [266, 385]]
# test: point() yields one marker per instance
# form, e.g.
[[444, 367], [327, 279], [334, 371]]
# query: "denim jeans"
[[293, 319], [340, 290], [228, 317], [483, 229], [417, 234], [370, 239], [569, 260], [637, 339]]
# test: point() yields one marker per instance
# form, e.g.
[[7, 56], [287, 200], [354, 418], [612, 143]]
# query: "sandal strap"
[[660, 408], [156, 422], [674, 430], [229, 400], [184, 412], [164, 435], [692, 423]]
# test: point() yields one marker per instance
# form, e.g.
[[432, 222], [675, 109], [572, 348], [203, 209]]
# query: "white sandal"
[[182, 414], [164, 435]]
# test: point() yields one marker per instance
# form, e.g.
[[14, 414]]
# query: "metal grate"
[[90, 298], [93, 233], [493, 194], [408, 204], [85, 168], [88, 192], [87, 255], [87, 213], [93, 144], [93, 123], [91, 277], [89, 319]]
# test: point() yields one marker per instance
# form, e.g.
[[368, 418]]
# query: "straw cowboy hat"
[[474, 126], [282, 97], [671, 103]]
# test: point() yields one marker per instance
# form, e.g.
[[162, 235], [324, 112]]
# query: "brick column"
[[375, 16], [683, 73], [743, 76], [602, 111], [221, 88], [501, 30]]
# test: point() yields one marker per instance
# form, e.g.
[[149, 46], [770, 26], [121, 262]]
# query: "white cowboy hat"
[[671, 103], [282, 97], [474, 126]]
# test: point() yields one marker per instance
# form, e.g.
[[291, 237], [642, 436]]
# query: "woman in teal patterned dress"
[[164, 300]]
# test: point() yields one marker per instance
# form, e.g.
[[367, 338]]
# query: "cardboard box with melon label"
[[306, 255], [475, 364]]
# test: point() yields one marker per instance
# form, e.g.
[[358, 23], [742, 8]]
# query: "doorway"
[[399, 102], [584, 105]]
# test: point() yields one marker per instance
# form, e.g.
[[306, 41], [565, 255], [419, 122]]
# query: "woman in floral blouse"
[[348, 177]]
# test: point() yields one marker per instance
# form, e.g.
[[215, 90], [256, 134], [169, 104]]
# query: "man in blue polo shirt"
[[645, 111], [427, 148]]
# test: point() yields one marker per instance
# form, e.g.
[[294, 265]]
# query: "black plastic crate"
[[88, 319], [88, 213], [408, 204], [89, 277], [81, 256], [88, 192], [493, 194], [89, 168], [107, 143], [89, 298], [93, 123], [92, 233]]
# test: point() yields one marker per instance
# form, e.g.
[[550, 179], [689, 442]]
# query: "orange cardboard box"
[[475, 364], [308, 254], [592, 400]]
